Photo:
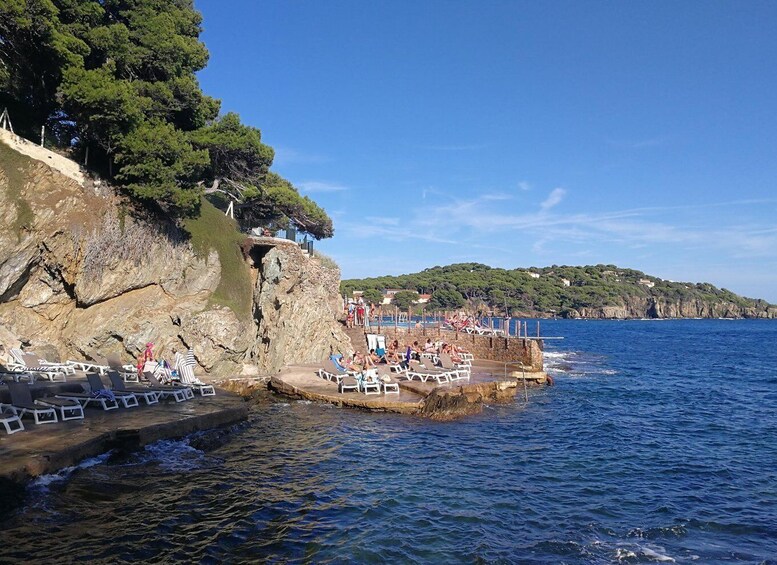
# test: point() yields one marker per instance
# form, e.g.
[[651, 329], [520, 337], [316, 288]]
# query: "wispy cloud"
[[473, 226], [496, 196], [463, 147], [553, 199], [288, 156], [639, 143], [321, 186], [514, 232], [382, 221], [524, 186]]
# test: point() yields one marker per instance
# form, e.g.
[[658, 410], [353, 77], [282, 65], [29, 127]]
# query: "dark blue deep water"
[[657, 444]]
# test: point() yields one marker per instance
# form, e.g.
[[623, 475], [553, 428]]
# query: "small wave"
[[676, 531], [641, 554], [171, 455], [558, 354], [652, 554], [42, 483]]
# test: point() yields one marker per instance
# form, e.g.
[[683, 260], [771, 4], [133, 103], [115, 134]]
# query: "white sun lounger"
[[23, 404], [11, 420]]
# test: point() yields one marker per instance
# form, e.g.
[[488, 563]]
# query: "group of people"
[[462, 321], [356, 312], [397, 355], [158, 365], [434, 347]]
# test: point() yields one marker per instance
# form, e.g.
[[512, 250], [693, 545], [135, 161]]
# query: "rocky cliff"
[[81, 277], [659, 307]]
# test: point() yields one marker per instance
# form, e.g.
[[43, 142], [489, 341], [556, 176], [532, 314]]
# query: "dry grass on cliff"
[[118, 239], [14, 165], [214, 230], [326, 261]]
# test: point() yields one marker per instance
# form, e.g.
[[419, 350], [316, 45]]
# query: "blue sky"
[[518, 134]]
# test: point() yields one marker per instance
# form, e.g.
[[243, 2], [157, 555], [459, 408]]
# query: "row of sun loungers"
[[480, 330], [380, 379], [374, 381], [67, 405]]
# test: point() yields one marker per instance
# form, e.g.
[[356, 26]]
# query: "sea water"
[[658, 443]]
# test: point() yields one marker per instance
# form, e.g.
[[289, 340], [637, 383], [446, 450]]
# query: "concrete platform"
[[489, 382], [301, 381], [46, 448]]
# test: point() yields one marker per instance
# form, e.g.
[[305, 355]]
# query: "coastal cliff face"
[[79, 278], [652, 307]]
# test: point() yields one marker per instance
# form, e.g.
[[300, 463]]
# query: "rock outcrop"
[[660, 307], [80, 277]]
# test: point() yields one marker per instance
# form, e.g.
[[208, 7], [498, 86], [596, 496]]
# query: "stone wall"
[[504, 349], [61, 164]]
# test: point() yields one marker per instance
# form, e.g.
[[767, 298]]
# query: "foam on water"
[[172, 456], [43, 482]]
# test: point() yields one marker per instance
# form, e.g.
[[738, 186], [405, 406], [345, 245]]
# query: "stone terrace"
[[46, 448]]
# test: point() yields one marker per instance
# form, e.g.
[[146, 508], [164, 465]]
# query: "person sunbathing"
[[372, 359], [429, 347], [449, 349], [355, 364], [393, 355], [378, 355]]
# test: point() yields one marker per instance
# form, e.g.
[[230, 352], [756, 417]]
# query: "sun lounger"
[[128, 372], [98, 365], [425, 373], [29, 361], [32, 364], [376, 342], [387, 383], [368, 382], [68, 409], [177, 393], [348, 383], [16, 375], [185, 367], [330, 372], [103, 398], [458, 372], [150, 395], [128, 399], [23, 404], [466, 358], [11, 420], [433, 357]]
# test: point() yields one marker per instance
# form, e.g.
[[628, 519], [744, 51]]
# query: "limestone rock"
[[294, 308], [79, 278]]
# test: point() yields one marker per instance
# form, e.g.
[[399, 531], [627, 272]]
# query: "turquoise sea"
[[657, 444]]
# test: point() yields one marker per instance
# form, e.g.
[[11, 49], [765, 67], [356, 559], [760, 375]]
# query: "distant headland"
[[593, 291]]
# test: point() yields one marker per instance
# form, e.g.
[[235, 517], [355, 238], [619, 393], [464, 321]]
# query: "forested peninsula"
[[595, 291]]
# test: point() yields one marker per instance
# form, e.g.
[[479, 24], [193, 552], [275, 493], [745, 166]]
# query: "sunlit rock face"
[[81, 277]]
